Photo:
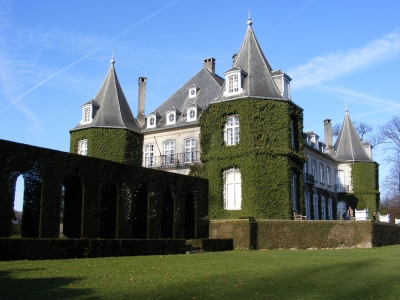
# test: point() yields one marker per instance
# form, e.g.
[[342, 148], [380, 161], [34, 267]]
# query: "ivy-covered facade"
[[243, 133]]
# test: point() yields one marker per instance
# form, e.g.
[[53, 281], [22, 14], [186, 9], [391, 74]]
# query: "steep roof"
[[348, 145], [113, 111], [208, 85], [251, 59]]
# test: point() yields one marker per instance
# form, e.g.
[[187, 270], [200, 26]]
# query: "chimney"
[[328, 136], [209, 64], [141, 99]]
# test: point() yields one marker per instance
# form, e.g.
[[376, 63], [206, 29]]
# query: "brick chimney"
[[328, 136], [209, 64], [141, 99]]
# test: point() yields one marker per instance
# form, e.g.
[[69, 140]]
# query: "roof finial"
[[112, 61], [249, 21], [346, 110]]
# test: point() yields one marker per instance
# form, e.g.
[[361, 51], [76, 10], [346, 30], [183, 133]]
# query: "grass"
[[304, 274]]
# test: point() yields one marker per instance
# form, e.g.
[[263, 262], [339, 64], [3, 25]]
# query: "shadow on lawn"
[[349, 280], [39, 288]]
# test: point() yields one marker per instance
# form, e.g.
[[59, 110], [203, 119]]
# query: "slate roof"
[[208, 85], [251, 59], [348, 145], [113, 111]]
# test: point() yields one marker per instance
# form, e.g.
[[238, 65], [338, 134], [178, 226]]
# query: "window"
[[232, 131], [190, 148], [151, 121], [315, 204], [328, 176], [308, 206], [292, 136], [233, 189], [286, 89], [233, 82], [340, 181], [82, 147], [169, 151], [330, 209], [314, 169], [293, 191], [149, 155], [341, 209], [323, 209], [191, 114], [321, 173], [171, 118], [192, 91]]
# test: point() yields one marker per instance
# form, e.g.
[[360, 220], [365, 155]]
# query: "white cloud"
[[326, 68]]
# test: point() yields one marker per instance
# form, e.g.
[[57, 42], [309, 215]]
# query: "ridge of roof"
[[114, 110], [348, 145]]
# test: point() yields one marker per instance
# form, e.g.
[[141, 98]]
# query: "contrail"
[[82, 58]]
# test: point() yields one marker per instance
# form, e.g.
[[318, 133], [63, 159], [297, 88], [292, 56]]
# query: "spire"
[[348, 146], [256, 70], [114, 110]]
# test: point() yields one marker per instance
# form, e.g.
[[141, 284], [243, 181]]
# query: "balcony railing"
[[342, 188], [309, 178], [178, 160]]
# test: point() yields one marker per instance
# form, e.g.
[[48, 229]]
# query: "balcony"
[[342, 188], [173, 161], [308, 178]]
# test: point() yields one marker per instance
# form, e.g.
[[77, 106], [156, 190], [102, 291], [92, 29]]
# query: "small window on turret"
[[82, 147]]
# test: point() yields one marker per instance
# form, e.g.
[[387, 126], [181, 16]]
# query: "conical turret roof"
[[348, 145], [251, 59], [113, 108]]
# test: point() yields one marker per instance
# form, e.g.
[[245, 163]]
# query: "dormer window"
[[172, 115], [193, 91], [171, 118], [88, 111], [192, 114], [234, 81], [151, 121]]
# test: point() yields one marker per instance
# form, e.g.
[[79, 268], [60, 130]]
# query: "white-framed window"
[[323, 208], [149, 155], [321, 173], [340, 183], [286, 89], [82, 147], [169, 151], [314, 169], [328, 176], [233, 83], [151, 121], [232, 130], [192, 91], [308, 205], [171, 118], [87, 114], [315, 206], [330, 209], [192, 114], [233, 189], [190, 148], [293, 191]]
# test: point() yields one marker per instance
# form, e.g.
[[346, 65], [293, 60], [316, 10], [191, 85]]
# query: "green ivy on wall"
[[118, 145], [264, 156], [366, 185]]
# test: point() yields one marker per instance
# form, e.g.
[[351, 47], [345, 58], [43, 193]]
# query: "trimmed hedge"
[[249, 234], [16, 249]]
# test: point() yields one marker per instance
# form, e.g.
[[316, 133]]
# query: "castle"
[[242, 132]]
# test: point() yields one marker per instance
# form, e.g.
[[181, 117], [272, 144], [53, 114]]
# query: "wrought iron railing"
[[342, 188], [178, 160], [308, 178]]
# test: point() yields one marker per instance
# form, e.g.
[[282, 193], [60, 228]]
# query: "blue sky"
[[54, 56]]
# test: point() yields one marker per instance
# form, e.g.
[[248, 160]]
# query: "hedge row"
[[248, 234], [212, 245], [16, 249]]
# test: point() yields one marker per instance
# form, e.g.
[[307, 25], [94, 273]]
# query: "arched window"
[[232, 131], [233, 189], [190, 148], [169, 151]]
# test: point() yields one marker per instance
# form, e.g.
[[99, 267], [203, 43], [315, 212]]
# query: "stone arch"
[[72, 201], [190, 216], [108, 210], [167, 214], [140, 212]]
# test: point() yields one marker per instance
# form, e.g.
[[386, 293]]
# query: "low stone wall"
[[265, 234]]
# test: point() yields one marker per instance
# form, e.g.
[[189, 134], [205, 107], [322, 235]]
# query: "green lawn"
[[304, 274]]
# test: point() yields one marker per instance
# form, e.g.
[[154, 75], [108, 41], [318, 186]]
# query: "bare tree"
[[362, 129], [336, 129], [390, 136]]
